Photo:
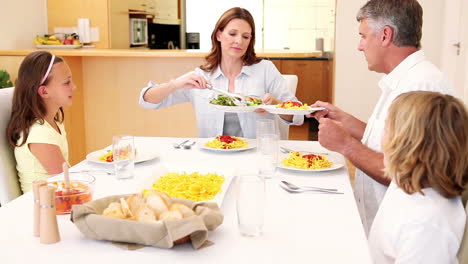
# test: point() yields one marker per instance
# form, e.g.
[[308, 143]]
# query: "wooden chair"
[[291, 83], [9, 183]]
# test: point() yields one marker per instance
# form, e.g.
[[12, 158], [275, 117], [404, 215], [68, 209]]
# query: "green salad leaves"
[[227, 101]]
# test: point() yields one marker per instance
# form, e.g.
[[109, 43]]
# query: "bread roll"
[[183, 209], [135, 201], [163, 195], [114, 210], [145, 214], [125, 209], [157, 204], [171, 215]]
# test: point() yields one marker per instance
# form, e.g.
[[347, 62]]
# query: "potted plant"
[[5, 79]]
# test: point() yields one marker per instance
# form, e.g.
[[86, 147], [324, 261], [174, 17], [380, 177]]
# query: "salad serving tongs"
[[235, 97]]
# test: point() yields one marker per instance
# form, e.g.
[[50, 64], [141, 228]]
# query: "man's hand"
[[332, 135], [330, 111], [351, 125]]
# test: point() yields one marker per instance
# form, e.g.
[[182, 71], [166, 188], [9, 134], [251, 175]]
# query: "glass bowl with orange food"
[[80, 192]]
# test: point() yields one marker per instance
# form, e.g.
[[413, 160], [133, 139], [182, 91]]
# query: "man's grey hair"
[[403, 16]]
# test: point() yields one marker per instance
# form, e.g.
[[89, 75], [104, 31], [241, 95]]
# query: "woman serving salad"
[[231, 66]]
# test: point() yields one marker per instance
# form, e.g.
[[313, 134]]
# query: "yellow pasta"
[[194, 186], [227, 142], [292, 105], [309, 161], [107, 157]]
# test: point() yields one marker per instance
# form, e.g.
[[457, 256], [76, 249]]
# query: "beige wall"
[[356, 89], [20, 22]]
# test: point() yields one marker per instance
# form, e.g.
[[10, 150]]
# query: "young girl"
[[421, 218], [36, 129]]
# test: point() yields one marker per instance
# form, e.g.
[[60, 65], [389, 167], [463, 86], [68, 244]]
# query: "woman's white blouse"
[[256, 80]]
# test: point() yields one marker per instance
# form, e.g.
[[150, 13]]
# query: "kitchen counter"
[[138, 52], [109, 81]]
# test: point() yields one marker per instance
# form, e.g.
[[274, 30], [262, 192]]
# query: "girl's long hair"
[[27, 106], [213, 59]]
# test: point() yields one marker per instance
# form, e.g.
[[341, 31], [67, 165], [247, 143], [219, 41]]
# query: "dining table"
[[307, 227]]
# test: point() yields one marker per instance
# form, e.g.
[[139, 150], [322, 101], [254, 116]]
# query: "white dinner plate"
[[235, 109], [140, 157], [283, 111], [252, 144], [58, 46], [335, 165]]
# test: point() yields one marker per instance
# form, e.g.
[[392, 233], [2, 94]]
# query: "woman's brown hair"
[[214, 57], [28, 107], [427, 143]]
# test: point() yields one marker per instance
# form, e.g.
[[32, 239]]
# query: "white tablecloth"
[[299, 228]]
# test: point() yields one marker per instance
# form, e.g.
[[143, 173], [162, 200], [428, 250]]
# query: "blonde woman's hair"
[[427, 143]]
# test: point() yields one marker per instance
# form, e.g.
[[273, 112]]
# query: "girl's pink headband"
[[48, 70]]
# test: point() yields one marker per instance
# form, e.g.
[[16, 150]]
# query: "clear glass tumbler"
[[250, 204], [267, 154], [123, 150]]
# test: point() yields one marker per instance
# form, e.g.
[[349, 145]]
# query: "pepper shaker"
[[48, 218], [36, 185]]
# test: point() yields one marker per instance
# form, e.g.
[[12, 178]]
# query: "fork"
[[233, 96], [287, 150]]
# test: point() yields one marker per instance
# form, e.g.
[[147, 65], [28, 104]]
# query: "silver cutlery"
[[287, 150], [179, 145], [295, 187], [189, 145], [301, 190]]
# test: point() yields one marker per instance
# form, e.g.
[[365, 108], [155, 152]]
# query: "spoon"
[[189, 146], [180, 144], [308, 190], [295, 187]]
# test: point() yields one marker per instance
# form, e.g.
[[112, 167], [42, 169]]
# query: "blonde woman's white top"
[[257, 80], [417, 228]]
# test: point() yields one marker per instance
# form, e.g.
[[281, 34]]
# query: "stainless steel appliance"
[[138, 32]]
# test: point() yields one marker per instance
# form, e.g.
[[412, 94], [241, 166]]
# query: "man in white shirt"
[[390, 39]]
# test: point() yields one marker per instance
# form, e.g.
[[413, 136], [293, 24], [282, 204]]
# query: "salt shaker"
[[48, 219], [36, 185]]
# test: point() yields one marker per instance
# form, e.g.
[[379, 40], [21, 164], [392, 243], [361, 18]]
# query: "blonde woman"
[[421, 218]]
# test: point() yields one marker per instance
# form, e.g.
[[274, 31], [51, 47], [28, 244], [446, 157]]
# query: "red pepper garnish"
[[293, 103], [226, 139]]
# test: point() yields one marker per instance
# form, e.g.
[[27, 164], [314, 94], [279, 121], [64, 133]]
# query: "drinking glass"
[[250, 204], [123, 150], [267, 154], [265, 126]]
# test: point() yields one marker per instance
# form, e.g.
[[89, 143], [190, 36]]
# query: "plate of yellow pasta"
[[195, 185], [309, 162], [227, 143], [105, 156], [290, 108]]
